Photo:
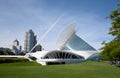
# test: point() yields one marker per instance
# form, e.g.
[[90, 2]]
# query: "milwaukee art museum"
[[71, 49]]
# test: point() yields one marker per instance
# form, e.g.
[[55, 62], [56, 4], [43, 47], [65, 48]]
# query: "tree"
[[115, 29], [111, 50], [8, 52], [1, 52]]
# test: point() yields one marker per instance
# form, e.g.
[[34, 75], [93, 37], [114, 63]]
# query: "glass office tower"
[[30, 41]]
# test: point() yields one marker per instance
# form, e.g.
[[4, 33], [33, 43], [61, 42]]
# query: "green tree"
[[111, 50], [1, 52]]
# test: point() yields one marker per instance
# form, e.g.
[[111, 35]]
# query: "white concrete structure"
[[65, 57], [71, 49]]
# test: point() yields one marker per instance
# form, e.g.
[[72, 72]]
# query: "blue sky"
[[18, 16]]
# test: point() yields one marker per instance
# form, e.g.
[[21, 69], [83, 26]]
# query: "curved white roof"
[[70, 45]]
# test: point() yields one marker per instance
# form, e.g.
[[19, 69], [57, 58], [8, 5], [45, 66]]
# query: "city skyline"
[[16, 17]]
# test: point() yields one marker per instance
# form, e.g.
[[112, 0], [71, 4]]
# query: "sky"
[[89, 16]]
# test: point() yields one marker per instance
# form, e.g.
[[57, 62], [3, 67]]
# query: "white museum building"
[[71, 49]]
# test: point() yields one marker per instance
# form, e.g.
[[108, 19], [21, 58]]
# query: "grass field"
[[82, 70]]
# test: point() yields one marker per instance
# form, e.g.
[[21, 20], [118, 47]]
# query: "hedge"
[[12, 60]]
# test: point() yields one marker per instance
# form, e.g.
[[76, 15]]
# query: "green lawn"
[[82, 70]]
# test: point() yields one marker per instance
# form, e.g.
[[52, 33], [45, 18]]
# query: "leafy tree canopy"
[[111, 50]]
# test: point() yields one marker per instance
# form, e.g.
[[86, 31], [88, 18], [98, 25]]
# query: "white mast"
[[51, 27]]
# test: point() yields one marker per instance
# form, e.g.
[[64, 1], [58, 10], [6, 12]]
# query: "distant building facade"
[[30, 41], [16, 48], [38, 48]]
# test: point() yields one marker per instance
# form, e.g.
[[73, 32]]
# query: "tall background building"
[[30, 41], [16, 48]]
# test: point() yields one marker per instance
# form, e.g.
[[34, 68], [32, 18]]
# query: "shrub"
[[12, 60]]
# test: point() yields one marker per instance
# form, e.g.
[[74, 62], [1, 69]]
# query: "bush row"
[[12, 60]]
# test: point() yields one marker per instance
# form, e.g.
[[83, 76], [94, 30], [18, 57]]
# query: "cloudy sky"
[[18, 16]]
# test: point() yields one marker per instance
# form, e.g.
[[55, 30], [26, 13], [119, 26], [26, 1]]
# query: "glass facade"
[[68, 40], [30, 41], [76, 43]]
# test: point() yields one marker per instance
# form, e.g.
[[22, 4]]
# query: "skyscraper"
[[16, 48], [30, 40]]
